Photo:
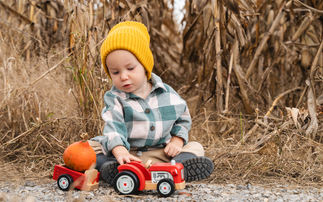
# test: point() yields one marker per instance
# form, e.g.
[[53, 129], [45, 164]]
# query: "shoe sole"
[[108, 171], [198, 168]]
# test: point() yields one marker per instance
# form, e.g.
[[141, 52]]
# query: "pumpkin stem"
[[85, 137]]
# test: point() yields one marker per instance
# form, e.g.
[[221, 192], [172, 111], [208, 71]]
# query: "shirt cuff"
[[181, 132]]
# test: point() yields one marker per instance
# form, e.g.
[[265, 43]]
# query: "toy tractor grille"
[[156, 176]]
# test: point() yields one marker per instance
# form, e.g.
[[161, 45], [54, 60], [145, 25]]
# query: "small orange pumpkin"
[[79, 156]]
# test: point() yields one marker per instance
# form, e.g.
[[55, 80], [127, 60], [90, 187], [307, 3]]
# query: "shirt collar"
[[157, 82]]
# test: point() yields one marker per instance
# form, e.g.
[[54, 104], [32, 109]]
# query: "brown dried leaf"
[[72, 34], [223, 128], [294, 114], [240, 31], [79, 16], [306, 56], [305, 23], [90, 14], [52, 13], [231, 27], [198, 38], [208, 19], [270, 17], [312, 33], [184, 193], [313, 126], [208, 45]]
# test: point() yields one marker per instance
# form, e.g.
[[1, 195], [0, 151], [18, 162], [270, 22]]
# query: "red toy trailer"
[[65, 177], [135, 176]]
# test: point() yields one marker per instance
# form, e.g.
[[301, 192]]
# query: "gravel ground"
[[32, 191]]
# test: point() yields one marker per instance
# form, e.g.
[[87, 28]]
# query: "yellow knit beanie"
[[130, 36]]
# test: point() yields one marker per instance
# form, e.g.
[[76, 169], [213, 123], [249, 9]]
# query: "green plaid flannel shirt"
[[134, 122]]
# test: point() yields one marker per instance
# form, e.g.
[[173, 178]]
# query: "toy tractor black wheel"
[[64, 182], [126, 182], [165, 187]]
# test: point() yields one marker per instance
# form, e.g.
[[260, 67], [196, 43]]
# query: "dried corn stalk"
[[279, 37]]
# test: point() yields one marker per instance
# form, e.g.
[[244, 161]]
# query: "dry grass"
[[30, 113], [52, 83], [276, 152]]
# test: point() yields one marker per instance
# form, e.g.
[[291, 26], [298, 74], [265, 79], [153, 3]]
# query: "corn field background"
[[250, 71]]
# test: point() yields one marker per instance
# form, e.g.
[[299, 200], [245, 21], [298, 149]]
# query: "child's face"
[[126, 71]]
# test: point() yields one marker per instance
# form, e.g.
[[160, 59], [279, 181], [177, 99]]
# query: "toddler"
[[144, 117]]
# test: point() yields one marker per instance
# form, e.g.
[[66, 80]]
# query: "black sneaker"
[[108, 171], [197, 168]]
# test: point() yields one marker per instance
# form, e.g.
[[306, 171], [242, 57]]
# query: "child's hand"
[[174, 147], [122, 155]]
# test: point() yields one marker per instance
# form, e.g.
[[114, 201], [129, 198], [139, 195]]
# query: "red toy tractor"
[[135, 176]]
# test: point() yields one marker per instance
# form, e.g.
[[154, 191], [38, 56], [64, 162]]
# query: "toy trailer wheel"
[[126, 182], [165, 187], [64, 182]]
